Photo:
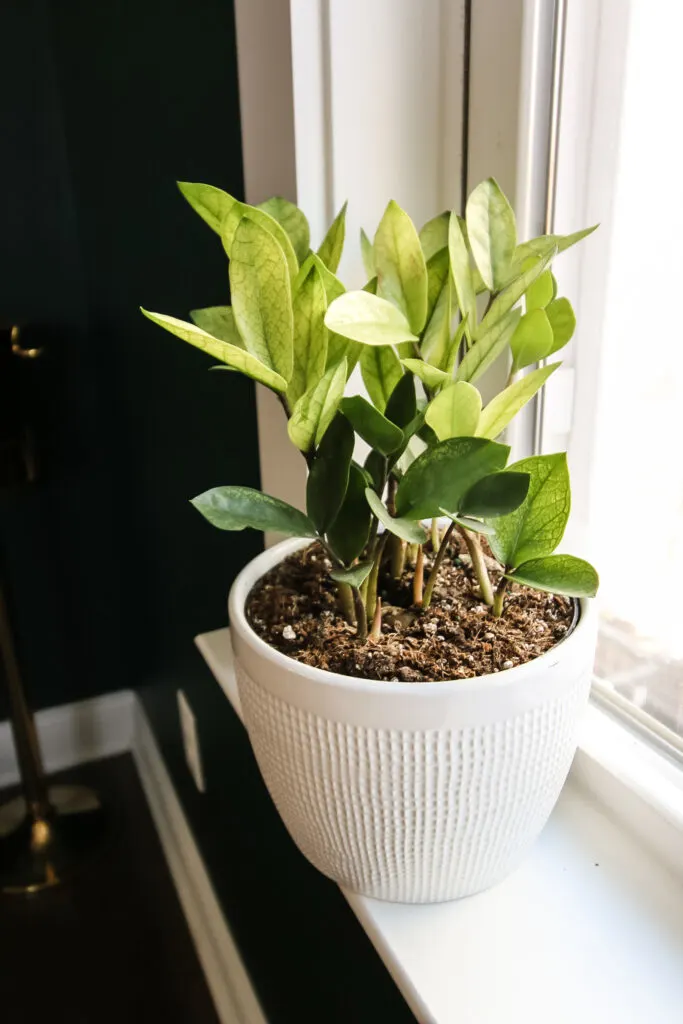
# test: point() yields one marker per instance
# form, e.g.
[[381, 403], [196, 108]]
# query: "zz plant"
[[416, 332]]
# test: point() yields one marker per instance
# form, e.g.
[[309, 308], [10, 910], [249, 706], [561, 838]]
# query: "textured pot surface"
[[413, 792]]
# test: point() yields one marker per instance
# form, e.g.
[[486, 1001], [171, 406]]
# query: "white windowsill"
[[588, 930]]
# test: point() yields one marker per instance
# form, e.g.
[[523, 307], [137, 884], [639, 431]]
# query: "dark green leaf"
[[402, 405], [333, 243], [348, 534], [355, 576], [558, 574], [495, 495], [234, 508], [376, 469], [329, 473], [371, 425], [442, 475], [406, 529], [535, 529]]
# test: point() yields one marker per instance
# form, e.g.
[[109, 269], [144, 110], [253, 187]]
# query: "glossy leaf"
[[235, 358], [371, 425], [436, 341], [212, 204], [368, 319], [412, 451], [504, 302], [236, 508], [238, 212], [355, 576], [348, 534], [559, 574], [468, 523], [455, 411], [488, 347], [562, 322], [434, 235], [438, 269], [495, 495], [429, 375], [294, 222], [219, 322], [462, 275], [442, 475], [540, 293], [535, 529], [381, 371], [400, 265], [328, 476], [532, 340], [316, 409], [330, 251], [309, 306], [406, 529], [367, 254], [401, 407], [261, 296], [505, 406], [492, 232], [376, 470]]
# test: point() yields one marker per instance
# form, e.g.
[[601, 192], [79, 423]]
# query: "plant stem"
[[434, 534], [346, 603], [371, 598], [431, 579], [376, 630], [418, 577], [361, 621], [411, 554], [499, 597], [392, 487], [479, 565], [397, 549]]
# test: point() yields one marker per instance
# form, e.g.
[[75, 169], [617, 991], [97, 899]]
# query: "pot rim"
[[492, 681]]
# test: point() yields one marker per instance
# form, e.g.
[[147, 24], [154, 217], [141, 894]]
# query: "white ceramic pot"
[[413, 792]]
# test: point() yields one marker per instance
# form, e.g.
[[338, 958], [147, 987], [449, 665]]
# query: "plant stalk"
[[397, 548], [361, 621], [371, 597], [376, 630], [499, 597], [346, 603], [479, 566], [434, 535], [411, 554], [418, 577], [431, 579]]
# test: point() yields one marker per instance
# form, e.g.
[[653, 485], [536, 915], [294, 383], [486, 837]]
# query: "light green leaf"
[[348, 534], [355, 576], [235, 358], [367, 254], [488, 347], [235, 508], [310, 336], [415, 447], [492, 232], [540, 293], [401, 267], [219, 322], [468, 523], [235, 215], [562, 321], [558, 574], [369, 319], [506, 299], [328, 476], [212, 204], [438, 267], [462, 275], [544, 244], [330, 251], [333, 286], [406, 529], [442, 475], [294, 222], [454, 348], [434, 235], [371, 425], [261, 296], [455, 411], [381, 371], [316, 409], [436, 342], [505, 406], [495, 495], [429, 375], [535, 529], [532, 340]]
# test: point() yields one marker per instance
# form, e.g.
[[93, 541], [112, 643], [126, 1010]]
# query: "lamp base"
[[39, 853]]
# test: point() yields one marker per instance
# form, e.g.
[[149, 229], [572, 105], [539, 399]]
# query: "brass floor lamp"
[[49, 832]]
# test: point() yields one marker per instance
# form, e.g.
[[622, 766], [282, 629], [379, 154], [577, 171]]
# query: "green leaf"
[[532, 340], [219, 322], [406, 529], [348, 534], [412, 451], [328, 477], [381, 371], [401, 267], [492, 232], [562, 321], [504, 302], [237, 212], [468, 523], [429, 375], [235, 358], [455, 411], [442, 475], [496, 495], [544, 244], [310, 336], [488, 347], [367, 254], [505, 406], [462, 275], [212, 204], [294, 222], [355, 576], [436, 341], [402, 405], [261, 296], [540, 293], [438, 268], [454, 348], [434, 235], [376, 470], [333, 243], [316, 409], [558, 574], [369, 319], [235, 508], [371, 425], [535, 529]]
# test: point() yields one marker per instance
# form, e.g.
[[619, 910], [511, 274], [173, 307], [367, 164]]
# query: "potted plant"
[[413, 665]]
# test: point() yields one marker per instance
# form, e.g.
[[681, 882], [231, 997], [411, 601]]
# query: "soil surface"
[[295, 609]]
